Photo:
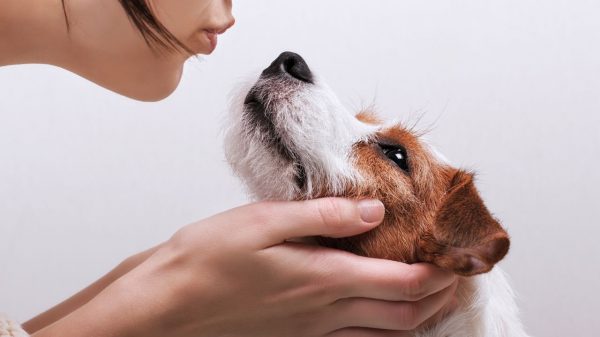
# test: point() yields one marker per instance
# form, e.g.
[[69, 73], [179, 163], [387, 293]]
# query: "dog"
[[290, 138]]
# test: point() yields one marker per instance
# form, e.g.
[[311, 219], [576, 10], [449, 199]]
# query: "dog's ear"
[[465, 238]]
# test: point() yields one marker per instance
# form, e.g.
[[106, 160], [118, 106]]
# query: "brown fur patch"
[[433, 211], [368, 117]]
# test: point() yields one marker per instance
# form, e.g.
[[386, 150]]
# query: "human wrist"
[[147, 294], [74, 302], [120, 310], [91, 319]]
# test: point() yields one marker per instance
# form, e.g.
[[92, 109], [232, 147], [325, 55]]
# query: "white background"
[[508, 88]]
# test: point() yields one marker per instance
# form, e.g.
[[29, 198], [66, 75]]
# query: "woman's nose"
[[228, 19]]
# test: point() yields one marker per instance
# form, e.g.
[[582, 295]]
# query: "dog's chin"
[[261, 125]]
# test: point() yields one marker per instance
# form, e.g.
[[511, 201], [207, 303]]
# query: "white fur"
[[486, 309], [314, 125]]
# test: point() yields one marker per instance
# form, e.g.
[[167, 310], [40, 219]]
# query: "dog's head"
[[290, 138]]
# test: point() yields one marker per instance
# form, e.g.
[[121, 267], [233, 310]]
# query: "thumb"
[[331, 217]]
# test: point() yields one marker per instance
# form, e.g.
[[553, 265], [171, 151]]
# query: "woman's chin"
[[155, 89]]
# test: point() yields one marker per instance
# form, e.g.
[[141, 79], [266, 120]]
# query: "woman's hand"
[[236, 274]]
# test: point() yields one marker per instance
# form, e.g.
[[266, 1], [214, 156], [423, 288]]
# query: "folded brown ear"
[[465, 237]]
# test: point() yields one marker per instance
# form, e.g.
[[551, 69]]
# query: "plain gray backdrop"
[[508, 88]]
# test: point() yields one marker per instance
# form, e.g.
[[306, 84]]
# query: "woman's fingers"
[[447, 310], [397, 316], [391, 280], [363, 296], [271, 223]]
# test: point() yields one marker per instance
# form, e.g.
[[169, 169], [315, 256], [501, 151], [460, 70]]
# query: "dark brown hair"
[[156, 35]]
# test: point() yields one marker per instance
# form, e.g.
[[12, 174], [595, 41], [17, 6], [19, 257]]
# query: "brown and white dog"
[[289, 138]]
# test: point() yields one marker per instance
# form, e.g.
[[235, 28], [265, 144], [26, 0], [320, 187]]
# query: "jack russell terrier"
[[290, 138]]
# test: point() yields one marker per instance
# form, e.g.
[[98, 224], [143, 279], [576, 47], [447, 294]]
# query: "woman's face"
[[109, 50], [196, 23]]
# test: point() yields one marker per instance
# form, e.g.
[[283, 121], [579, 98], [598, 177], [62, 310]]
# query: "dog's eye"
[[397, 154]]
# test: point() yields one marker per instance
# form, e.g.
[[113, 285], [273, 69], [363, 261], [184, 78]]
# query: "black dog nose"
[[290, 63]]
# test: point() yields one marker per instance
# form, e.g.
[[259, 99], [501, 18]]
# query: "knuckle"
[[338, 287], [414, 286], [330, 275], [330, 213], [409, 316], [182, 236]]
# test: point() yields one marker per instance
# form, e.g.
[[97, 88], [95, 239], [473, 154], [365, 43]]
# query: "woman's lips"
[[212, 34], [212, 38]]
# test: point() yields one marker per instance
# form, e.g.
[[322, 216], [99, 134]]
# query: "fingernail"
[[371, 210]]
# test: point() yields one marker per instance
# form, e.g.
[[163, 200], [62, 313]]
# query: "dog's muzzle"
[[287, 71]]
